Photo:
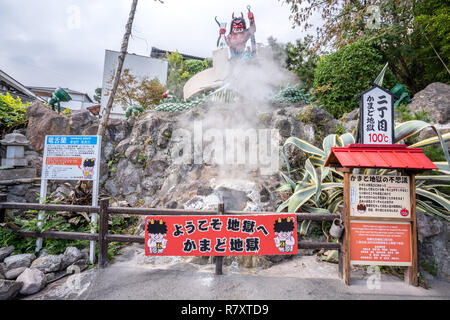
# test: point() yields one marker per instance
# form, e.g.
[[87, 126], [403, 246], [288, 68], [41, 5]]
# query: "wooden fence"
[[104, 210]]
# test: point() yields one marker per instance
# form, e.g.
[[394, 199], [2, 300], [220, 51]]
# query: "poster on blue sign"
[[71, 158]]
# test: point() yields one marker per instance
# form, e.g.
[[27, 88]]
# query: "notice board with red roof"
[[379, 210]]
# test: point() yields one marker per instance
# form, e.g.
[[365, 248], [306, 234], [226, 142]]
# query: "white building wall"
[[140, 66]]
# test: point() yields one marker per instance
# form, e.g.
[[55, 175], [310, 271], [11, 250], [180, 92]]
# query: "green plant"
[[12, 113], [404, 114], [413, 36], [54, 221], [430, 265], [319, 188], [180, 71], [342, 75], [292, 94], [67, 112]]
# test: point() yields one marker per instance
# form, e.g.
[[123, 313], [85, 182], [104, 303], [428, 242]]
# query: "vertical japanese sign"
[[71, 158], [374, 243], [221, 235], [379, 196], [376, 116]]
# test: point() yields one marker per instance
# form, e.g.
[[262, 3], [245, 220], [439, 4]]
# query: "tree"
[[398, 28], [12, 114], [302, 61], [121, 59], [340, 76], [133, 91], [296, 57], [180, 71], [98, 95]]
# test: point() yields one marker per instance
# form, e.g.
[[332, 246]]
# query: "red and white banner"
[[221, 235]]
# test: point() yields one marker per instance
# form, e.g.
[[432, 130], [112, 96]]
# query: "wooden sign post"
[[379, 210]]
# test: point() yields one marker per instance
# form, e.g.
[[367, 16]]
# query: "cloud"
[[63, 44]]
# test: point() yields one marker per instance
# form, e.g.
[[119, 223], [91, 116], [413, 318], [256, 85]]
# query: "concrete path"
[[136, 277]]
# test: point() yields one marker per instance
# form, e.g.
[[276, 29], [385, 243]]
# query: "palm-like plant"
[[321, 188]]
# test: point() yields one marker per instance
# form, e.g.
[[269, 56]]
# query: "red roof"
[[396, 156]]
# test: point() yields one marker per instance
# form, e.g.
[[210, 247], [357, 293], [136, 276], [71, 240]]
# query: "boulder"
[[428, 226], [33, 280], [70, 256], [9, 289], [43, 121], [19, 260], [435, 99], [48, 263], [5, 252], [81, 119], [14, 273]]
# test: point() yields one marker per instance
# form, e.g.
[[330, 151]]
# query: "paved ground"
[[134, 276]]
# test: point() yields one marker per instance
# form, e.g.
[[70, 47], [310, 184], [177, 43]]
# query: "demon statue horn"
[[239, 35]]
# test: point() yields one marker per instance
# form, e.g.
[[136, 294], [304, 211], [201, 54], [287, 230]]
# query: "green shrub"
[[340, 76], [12, 114]]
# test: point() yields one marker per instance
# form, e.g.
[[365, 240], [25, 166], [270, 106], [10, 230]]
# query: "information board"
[[380, 196], [374, 243], [221, 235], [71, 157]]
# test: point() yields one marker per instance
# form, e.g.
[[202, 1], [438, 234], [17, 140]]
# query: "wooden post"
[[3, 198], [411, 272], [102, 232], [219, 259], [346, 218]]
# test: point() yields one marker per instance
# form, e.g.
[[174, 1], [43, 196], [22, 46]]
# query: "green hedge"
[[340, 76], [12, 114]]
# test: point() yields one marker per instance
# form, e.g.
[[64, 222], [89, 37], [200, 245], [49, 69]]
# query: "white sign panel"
[[71, 158], [377, 116], [379, 196]]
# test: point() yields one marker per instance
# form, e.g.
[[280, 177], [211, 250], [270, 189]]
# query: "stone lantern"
[[15, 150]]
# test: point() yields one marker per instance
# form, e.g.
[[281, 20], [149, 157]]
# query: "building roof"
[[50, 90], [393, 156], [158, 53], [94, 109], [19, 89]]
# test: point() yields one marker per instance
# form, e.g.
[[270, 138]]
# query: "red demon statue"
[[239, 34]]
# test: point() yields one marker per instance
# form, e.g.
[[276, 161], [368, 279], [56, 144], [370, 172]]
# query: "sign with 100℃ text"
[[379, 196], [221, 235], [71, 157], [377, 116]]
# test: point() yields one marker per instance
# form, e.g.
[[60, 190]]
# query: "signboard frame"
[[95, 188], [411, 271], [221, 235]]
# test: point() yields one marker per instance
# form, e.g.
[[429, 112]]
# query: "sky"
[[62, 43]]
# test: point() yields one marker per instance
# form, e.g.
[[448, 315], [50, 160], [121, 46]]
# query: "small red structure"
[[409, 161], [394, 156]]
